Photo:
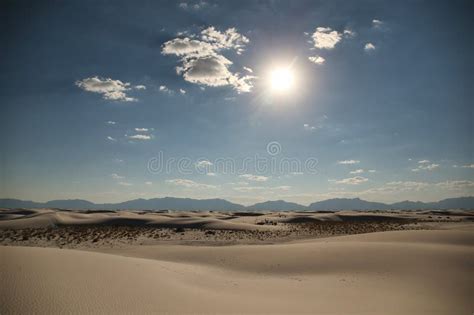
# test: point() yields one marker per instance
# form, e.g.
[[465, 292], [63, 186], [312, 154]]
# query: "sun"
[[282, 79]]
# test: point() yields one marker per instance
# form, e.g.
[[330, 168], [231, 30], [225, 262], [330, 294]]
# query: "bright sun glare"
[[281, 79]]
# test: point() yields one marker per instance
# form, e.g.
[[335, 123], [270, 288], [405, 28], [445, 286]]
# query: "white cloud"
[[297, 173], [254, 178], [317, 60], [110, 89], [372, 171], [424, 162], [352, 180], [196, 6], [369, 47], [116, 176], [249, 188], [188, 183], [348, 162], [148, 183], [140, 87], [456, 184], [141, 129], [140, 137], [182, 91], [110, 122], [468, 166], [248, 69], [202, 61], [349, 33], [377, 23], [211, 174], [203, 164], [262, 189], [282, 188], [326, 38], [359, 171], [111, 139], [165, 89], [308, 127], [124, 184], [425, 166]]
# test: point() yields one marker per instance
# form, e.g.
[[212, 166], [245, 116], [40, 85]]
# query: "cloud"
[[124, 184], [283, 188], [401, 186], [307, 127], [203, 164], [140, 137], [407, 185], [111, 139], [110, 89], [349, 33], [148, 183], [297, 173], [352, 180], [182, 91], [377, 23], [372, 171], [456, 184], [211, 174], [425, 166], [116, 176], [326, 38], [348, 162], [189, 183], [196, 6], [110, 122], [359, 171], [468, 166], [254, 178], [248, 69], [140, 87], [202, 61], [424, 161], [165, 89], [141, 129], [230, 39], [261, 188], [317, 60], [369, 47], [249, 188]]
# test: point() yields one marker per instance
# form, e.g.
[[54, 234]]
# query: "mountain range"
[[187, 204]]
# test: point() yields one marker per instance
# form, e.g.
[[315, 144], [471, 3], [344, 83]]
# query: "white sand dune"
[[406, 272], [43, 218]]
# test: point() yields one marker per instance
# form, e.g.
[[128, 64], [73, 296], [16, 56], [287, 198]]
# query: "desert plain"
[[56, 261]]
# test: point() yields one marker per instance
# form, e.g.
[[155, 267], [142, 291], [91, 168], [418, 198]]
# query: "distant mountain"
[[277, 205], [187, 204], [411, 205], [166, 203], [70, 204], [347, 204], [15, 203], [170, 203], [454, 203]]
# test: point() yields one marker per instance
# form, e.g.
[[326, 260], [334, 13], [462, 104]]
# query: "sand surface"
[[422, 268], [407, 272]]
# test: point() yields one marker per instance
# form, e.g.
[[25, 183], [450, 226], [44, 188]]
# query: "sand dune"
[[403, 272], [43, 218]]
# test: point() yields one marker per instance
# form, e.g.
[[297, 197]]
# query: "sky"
[[243, 100]]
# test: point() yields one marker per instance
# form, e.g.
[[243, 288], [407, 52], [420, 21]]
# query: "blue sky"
[[92, 91]]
